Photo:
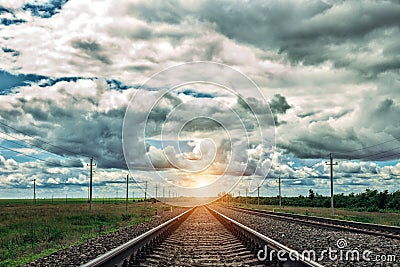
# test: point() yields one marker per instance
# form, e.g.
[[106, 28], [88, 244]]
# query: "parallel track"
[[199, 237], [357, 227]]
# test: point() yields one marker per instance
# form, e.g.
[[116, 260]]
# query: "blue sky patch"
[[117, 85], [45, 10], [4, 10], [8, 22], [196, 94], [15, 53], [52, 81], [8, 81]]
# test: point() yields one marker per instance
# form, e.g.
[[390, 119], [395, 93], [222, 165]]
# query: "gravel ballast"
[[303, 237], [83, 253]]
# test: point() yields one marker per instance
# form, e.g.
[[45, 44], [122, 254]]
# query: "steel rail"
[[122, 255], [258, 241], [365, 228]]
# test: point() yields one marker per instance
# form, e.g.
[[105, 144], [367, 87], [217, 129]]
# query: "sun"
[[201, 182]]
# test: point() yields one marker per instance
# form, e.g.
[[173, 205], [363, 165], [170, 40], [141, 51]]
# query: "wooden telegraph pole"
[[280, 195], [34, 191], [91, 183], [127, 193], [331, 164]]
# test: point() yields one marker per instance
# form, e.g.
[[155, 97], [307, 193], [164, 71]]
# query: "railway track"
[[356, 227], [200, 236]]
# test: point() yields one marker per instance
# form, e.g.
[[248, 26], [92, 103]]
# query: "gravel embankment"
[[80, 254], [301, 237]]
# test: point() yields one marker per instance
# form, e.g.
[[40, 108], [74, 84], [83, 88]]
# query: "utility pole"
[[127, 194], [258, 196], [163, 192], [331, 164], [246, 195], [34, 191], [145, 192], [239, 197], [280, 195], [156, 192], [91, 182]]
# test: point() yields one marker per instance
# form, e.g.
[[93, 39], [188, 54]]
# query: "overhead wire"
[[341, 154], [379, 153], [45, 142], [28, 145], [19, 152], [366, 147]]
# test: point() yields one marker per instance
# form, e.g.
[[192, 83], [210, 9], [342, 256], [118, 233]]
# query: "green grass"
[[29, 231], [56, 201], [386, 218]]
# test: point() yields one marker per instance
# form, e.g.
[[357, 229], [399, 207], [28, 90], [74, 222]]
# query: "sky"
[[198, 97]]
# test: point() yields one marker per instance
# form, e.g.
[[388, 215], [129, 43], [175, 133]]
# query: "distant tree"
[[311, 194]]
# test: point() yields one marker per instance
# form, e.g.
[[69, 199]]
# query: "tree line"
[[370, 200]]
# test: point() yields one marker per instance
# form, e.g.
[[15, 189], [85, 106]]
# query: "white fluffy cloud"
[[336, 72]]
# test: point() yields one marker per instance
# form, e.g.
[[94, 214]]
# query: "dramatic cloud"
[[328, 69], [83, 118]]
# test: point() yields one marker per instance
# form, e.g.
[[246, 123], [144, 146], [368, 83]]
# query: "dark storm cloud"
[[310, 32], [370, 133], [139, 68], [308, 114], [167, 11], [97, 135], [92, 49], [53, 162], [202, 125], [278, 104], [83, 129]]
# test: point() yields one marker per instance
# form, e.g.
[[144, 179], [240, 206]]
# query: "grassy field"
[[31, 231], [387, 218]]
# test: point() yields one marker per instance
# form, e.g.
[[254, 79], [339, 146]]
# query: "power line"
[[61, 148], [387, 156], [366, 147], [14, 142], [369, 156], [374, 154], [27, 144], [18, 152]]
